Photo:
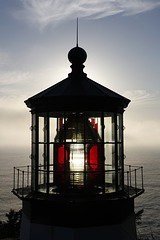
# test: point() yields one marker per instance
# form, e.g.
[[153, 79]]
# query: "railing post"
[[135, 180], [128, 181], [22, 183], [18, 179], [27, 176], [14, 177], [142, 176], [130, 170]]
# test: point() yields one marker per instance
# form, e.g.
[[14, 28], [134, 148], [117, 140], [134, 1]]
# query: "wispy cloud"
[[45, 12], [142, 97], [11, 77], [14, 85]]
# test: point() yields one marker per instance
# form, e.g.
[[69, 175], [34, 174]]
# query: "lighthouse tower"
[[77, 186]]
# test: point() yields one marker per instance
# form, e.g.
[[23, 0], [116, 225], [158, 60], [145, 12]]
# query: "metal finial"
[[77, 32]]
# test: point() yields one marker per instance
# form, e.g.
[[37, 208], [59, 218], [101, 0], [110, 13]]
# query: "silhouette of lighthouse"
[[77, 186]]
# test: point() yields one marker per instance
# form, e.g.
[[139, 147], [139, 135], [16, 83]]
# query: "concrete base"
[[123, 231]]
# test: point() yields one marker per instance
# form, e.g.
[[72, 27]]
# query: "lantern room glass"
[[76, 152]]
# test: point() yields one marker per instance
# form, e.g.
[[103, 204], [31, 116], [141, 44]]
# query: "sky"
[[122, 41]]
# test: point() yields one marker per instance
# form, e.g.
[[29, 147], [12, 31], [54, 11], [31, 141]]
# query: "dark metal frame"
[[46, 144]]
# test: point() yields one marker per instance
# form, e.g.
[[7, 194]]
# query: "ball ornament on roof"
[[77, 55]]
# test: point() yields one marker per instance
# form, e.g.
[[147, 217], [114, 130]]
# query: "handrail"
[[22, 177], [132, 166], [134, 179]]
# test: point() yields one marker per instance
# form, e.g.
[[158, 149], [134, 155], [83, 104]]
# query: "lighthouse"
[[77, 185]]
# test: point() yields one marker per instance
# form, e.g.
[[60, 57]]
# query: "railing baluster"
[[27, 176], [130, 170], [22, 183], [14, 178], [135, 180], [18, 179], [142, 176], [128, 181]]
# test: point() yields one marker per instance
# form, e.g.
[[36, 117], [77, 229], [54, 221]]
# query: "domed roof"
[[77, 55]]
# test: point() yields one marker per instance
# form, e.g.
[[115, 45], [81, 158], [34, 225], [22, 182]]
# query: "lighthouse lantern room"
[[77, 185]]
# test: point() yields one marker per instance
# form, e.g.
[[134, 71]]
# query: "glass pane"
[[110, 181], [51, 154], [109, 128], [42, 180], [109, 168], [52, 129], [109, 150], [51, 181], [41, 129], [51, 166], [96, 128], [77, 164], [42, 168], [74, 126], [41, 154], [76, 157]]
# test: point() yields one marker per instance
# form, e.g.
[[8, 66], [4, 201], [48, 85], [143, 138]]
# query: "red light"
[[61, 122], [61, 155], [94, 157], [93, 122]]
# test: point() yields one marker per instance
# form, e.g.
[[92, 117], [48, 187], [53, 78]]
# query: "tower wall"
[[78, 212], [113, 219], [123, 231]]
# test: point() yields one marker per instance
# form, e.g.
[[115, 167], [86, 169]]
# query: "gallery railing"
[[22, 181], [133, 180]]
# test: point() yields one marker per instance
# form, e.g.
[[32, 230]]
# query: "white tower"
[[77, 186]]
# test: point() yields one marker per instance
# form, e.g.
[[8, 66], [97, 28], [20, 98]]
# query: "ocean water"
[[8, 159], [149, 202], [149, 224]]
